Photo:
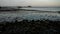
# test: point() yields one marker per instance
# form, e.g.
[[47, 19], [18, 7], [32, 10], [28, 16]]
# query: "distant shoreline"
[[10, 9], [28, 10]]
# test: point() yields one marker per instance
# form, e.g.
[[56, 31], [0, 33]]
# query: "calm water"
[[44, 9]]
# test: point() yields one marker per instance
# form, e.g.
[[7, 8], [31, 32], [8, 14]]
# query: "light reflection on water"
[[45, 8], [29, 15]]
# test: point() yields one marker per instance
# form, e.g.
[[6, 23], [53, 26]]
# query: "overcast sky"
[[30, 2]]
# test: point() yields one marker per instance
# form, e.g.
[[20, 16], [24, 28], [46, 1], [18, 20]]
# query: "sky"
[[29, 2]]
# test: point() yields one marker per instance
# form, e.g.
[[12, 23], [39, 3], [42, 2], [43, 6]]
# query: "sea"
[[44, 8], [11, 16]]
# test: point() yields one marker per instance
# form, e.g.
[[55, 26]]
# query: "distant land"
[[34, 6]]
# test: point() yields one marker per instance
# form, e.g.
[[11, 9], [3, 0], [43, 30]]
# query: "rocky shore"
[[31, 27]]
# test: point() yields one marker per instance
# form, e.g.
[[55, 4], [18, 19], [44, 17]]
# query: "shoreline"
[[17, 26]]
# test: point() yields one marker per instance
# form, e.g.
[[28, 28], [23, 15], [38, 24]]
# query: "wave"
[[29, 16]]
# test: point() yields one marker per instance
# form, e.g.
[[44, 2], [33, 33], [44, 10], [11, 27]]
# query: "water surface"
[[44, 9], [29, 15]]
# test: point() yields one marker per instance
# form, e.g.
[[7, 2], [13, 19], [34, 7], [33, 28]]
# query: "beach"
[[29, 21]]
